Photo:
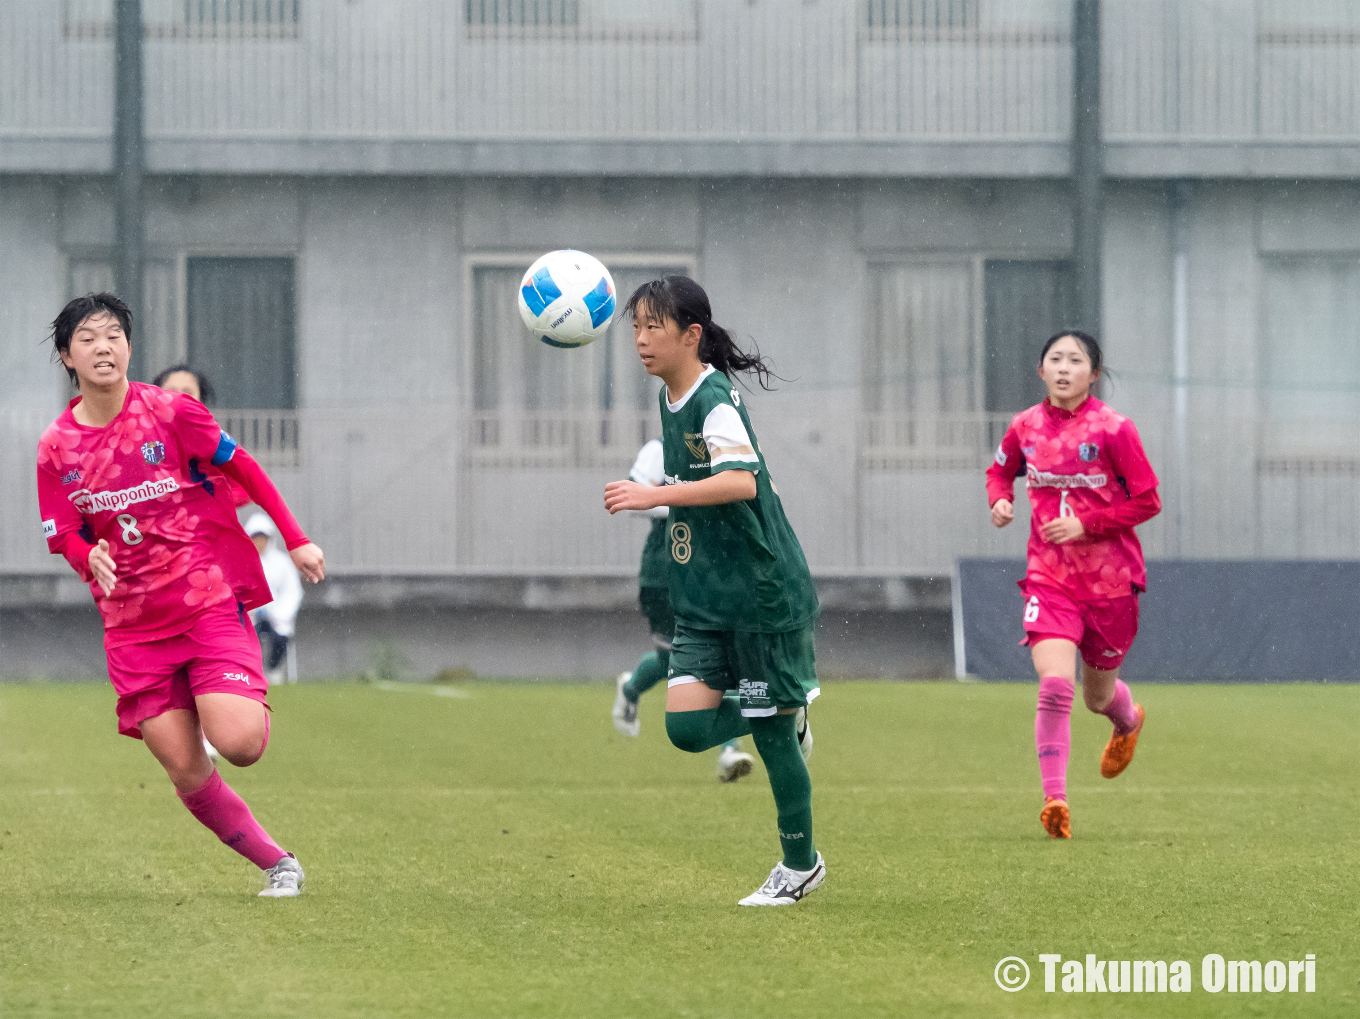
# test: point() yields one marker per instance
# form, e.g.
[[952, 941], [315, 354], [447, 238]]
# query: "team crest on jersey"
[[153, 452], [695, 444], [1088, 451], [71, 476]]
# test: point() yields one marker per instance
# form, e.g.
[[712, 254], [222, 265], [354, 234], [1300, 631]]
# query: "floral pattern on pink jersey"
[[1062, 480], [100, 468], [207, 587], [179, 526], [61, 447], [123, 610]]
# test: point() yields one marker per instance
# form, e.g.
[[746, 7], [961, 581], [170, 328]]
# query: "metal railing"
[[431, 491], [1273, 70]]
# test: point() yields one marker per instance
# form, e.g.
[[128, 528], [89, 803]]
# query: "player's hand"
[[310, 562], [1003, 512], [1061, 530], [629, 495], [103, 567]]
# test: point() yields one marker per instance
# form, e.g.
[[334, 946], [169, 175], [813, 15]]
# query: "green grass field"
[[503, 852]]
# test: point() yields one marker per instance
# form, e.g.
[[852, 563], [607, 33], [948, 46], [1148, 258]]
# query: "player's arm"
[[204, 439], [1006, 466], [727, 486], [1101, 523], [733, 463], [245, 471], [62, 527], [1135, 473]]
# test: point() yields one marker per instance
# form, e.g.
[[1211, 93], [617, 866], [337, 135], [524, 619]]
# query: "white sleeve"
[[650, 469], [727, 438], [650, 466]]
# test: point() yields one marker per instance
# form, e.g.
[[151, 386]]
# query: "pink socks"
[[226, 815], [1053, 733], [1120, 710]]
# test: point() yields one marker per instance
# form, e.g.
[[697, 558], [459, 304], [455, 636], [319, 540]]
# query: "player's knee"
[[688, 730], [243, 756], [243, 749]]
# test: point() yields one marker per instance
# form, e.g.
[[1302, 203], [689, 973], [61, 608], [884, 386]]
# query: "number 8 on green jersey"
[[740, 588]]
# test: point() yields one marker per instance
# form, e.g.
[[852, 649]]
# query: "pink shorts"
[[1102, 630], [218, 654]]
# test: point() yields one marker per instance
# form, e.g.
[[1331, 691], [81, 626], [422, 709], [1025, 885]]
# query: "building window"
[[923, 20], [523, 14], [240, 329], [1311, 338], [921, 351], [513, 373], [192, 19], [582, 20], [1025, 302]]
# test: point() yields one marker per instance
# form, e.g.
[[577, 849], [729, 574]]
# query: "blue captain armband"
[[226, 449]]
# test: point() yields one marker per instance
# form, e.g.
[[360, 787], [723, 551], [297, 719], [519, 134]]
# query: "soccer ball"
[[567, 298]]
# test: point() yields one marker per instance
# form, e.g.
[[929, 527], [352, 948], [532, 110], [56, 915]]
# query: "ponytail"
[[684, 302], [716, 347]]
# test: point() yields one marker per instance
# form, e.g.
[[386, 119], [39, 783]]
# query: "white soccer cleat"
[[210, 750], [734, 764], [625, 711], [284, 880], [784, 887], [800, 720]]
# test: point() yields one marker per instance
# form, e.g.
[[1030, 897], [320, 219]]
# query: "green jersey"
[[735, 567], [655, 557]]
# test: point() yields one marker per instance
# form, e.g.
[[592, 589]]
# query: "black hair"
[[206, 393], [1085, 339], [77, 311], [684, 302]]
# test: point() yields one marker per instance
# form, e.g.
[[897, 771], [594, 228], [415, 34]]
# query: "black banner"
[[1208, 621]]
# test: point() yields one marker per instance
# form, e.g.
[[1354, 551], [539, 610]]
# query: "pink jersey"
[[142, 484], [1088, 463]]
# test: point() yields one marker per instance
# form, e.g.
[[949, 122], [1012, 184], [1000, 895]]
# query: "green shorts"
[[770, 672], [655, 603]]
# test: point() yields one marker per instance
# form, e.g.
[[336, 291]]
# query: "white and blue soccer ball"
[[567, 298]]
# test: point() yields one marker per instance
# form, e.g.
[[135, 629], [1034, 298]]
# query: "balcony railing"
[[421, 491], [684, 70]]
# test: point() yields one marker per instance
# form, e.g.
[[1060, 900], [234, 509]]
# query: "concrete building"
[[339, 198]]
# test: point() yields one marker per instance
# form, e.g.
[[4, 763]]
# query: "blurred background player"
[[124, 497], [1089, 485], [655, 600], [274, 623], [745, 609], [180, 378]]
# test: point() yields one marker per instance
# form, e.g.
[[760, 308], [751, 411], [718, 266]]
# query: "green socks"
[[776, 739], [697, 731], [651, 669]]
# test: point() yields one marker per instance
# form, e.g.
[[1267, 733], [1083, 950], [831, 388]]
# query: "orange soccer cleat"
[[1119, 751], [1056, 818]]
